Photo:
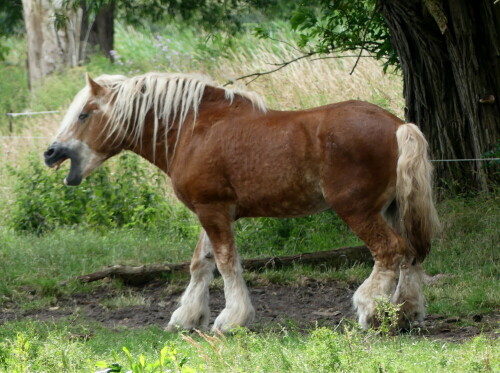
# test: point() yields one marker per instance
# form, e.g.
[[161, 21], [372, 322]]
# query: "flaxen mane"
[[170, 96]]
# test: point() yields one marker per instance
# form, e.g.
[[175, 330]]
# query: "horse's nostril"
[[49, 152]]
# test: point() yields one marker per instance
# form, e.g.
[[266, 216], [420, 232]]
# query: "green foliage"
[[387, 316], [109, 198], [11, 16], [267, 236], [37, 346], [169, 358], [468, 245], [332, 351], [344, 25], [210, 15], [14, 93]]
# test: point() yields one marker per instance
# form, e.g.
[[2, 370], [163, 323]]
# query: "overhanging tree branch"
[[363, 40], [286, 63], [259, 74]]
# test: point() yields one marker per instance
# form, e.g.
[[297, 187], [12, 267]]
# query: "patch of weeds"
[[169, 358], [109, 198], [17, 353], [329, 350], [272, 237], [386, 317], [126, 300], [47, 287], [38, 303]]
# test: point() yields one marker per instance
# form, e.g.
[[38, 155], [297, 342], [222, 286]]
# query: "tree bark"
[[101, 33], [50, 49], [345, 256], [450, 58]]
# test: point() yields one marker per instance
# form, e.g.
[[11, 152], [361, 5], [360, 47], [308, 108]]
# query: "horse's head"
[[82, 137]]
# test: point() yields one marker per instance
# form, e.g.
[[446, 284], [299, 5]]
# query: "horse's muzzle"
[[56, 154]]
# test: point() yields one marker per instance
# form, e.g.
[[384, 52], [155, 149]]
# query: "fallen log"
[[344, 256]]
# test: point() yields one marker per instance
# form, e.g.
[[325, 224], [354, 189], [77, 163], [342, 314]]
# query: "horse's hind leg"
[[194, 311], [408, 293], [387, 249]]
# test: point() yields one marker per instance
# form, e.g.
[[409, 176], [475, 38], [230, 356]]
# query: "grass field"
[[36, 347], [33, 264]]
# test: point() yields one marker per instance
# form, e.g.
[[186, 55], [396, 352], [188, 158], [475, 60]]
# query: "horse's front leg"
[[217, 222], [194, 311]]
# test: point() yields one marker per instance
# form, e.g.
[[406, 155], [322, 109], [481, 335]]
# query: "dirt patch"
[[304, 306]]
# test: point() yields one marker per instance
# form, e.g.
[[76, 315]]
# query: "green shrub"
[[108, 198]]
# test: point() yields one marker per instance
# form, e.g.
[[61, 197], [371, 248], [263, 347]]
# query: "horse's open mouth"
[[74, 176], [55, 157], [58, 164]]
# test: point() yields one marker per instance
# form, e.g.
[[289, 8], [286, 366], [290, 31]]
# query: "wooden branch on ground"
[[344, 256]]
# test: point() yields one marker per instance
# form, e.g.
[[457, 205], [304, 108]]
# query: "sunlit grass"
[[30, 346]]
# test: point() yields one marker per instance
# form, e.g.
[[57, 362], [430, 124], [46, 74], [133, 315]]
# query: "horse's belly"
[[292, 202]]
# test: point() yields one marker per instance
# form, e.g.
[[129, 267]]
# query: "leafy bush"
[[108, 198]]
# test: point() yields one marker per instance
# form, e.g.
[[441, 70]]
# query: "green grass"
[[65, 347], [14, 92], [65, 253], [466, 254]]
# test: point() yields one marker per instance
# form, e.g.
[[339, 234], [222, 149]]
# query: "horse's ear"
[[96, 89]]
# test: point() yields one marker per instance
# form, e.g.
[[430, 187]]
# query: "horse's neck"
[[213, 105], [151, 149]]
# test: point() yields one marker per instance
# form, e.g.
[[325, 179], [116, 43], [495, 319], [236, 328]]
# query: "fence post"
[[10, 122]]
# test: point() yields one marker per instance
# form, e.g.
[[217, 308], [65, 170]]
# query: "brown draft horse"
[[229, 157]]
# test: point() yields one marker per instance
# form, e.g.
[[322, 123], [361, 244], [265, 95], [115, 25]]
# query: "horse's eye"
[[82, 116]]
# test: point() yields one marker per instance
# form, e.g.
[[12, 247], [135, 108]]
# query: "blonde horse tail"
[[417, 220]]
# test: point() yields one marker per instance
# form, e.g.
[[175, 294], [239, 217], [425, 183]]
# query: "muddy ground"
[[304, 305]]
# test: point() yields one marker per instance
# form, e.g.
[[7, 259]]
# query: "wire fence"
[[26, 113]]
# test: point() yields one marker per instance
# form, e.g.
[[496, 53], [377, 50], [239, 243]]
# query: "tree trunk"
[[101, 33], [450, 57], [50, 49]]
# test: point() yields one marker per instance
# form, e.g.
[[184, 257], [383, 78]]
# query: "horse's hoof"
[[172, 328], [229, 320]]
